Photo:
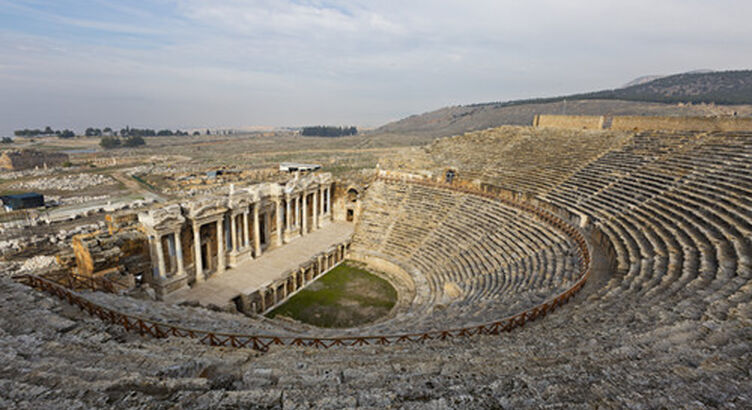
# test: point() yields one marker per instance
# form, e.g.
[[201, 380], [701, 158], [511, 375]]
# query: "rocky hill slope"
[[689, 94]]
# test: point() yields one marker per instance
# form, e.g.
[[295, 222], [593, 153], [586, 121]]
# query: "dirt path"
[[135, 186]]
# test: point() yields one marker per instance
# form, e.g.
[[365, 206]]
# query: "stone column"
[[295, 211], [321, 204], [304, 222], [329, 199], [256, 232], [287, 214], [234, 232], [179, 253], [221, 258], [197, 252], [278, 214], [246, 239], [160, 258], [262, 293], [315, 222]]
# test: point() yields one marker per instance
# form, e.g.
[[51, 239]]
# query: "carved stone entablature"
[[265, 190], [161, 220], [206, 208], [324, 178], [240, 201], [292, 186], [307, 182]]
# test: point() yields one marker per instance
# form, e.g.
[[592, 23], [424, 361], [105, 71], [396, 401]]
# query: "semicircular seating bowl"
[[677, 210], [498, 259], [473, 260]]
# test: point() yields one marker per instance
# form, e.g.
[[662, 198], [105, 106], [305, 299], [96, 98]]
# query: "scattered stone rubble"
[[38, 263], [40, 172], [73, 200], [21, 243], [75, 182]]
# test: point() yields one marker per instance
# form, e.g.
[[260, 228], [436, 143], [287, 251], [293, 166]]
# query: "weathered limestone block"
[[101, 251]]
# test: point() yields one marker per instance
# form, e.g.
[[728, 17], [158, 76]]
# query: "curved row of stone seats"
[[497, 259], [68, 360], [370, 224], [188, 317], [421, 212], [678, 215], [506, 153]]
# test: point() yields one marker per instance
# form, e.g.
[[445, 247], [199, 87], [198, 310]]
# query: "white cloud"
[[193, 63]]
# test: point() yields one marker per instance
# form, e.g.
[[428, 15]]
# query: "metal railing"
[[65, 289]]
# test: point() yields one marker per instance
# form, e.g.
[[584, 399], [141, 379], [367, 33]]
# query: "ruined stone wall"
[[117, 220], [27, 159], [103, 252], [347, 201], [582, 122], [640, 123]]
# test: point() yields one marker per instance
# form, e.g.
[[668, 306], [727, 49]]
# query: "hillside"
[[710, 94], [648, 78], [459, 119], [728, 87]]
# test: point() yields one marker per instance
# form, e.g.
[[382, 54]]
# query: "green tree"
[[134, 141], [109, 142]]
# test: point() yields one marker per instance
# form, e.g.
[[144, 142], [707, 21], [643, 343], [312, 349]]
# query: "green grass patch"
[[144, 182], [347, 296]]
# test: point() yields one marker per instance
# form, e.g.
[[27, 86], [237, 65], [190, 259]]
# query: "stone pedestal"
[[169, 285]]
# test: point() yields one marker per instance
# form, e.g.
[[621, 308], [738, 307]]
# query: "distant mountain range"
[[708, 92]]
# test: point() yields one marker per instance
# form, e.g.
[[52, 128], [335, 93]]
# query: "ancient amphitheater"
[[581, 268]]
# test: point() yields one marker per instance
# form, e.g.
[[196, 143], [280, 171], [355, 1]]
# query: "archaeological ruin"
[[548, 264], [29, 159]]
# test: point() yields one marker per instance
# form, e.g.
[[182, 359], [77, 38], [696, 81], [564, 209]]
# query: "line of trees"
[[110, 141], [328, 131], [103, 132], [146, 132], [66, 133]]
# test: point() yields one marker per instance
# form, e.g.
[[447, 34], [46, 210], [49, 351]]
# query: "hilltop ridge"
[[688, 94]]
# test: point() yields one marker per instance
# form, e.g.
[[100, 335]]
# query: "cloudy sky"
[[191, 63]]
